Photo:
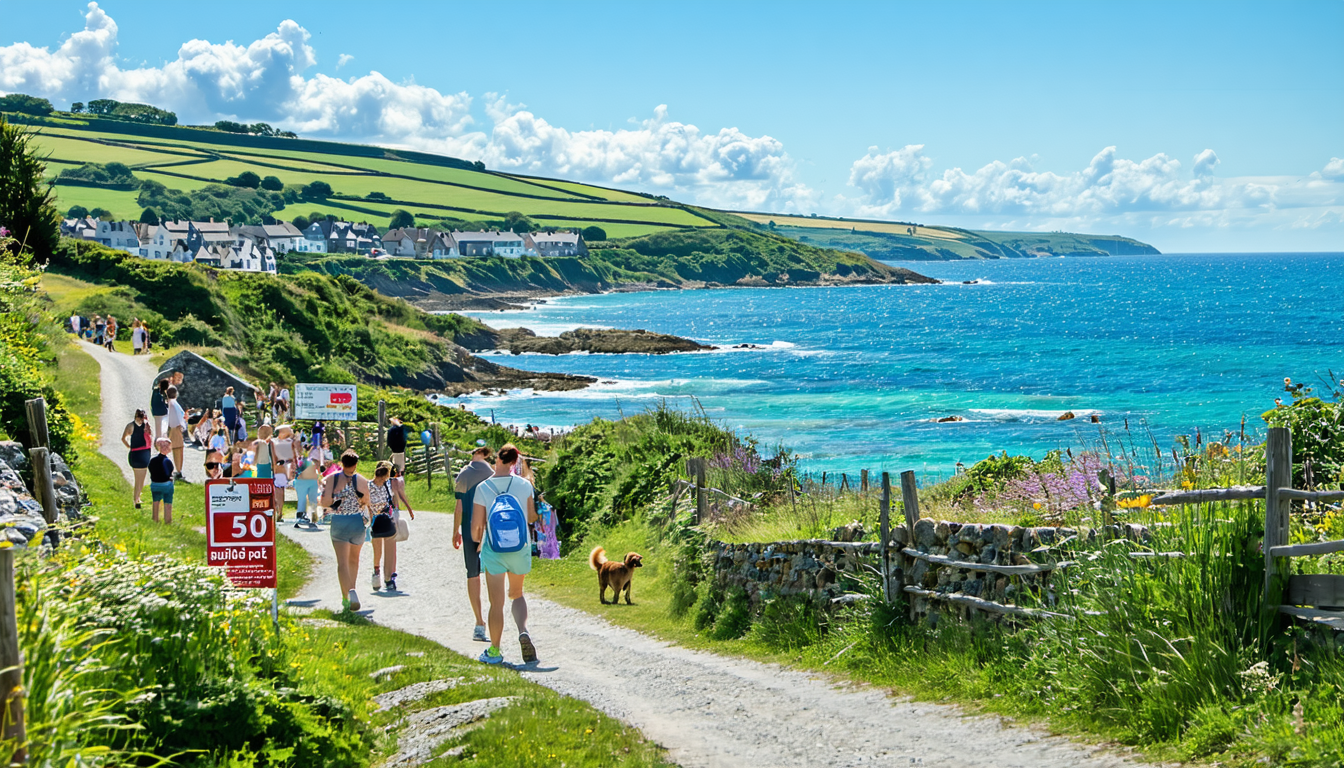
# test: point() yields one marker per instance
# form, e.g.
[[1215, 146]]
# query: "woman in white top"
[[177, 428], [285, 448], [384, 493], [137, 337]]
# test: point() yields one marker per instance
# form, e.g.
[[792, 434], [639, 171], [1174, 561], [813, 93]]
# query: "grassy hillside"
[[301, 327], [368, 183], [903, 241], [690, 258]]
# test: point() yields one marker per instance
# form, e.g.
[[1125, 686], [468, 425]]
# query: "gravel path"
[[708, 710]]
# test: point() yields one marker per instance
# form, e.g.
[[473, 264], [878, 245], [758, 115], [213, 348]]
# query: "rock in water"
[[1065, 416]]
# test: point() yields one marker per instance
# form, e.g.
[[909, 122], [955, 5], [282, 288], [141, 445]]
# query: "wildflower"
[[1036, 505], [4, 232]]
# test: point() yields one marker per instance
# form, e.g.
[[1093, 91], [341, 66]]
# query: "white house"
[[548, 244], [180, 240], [506, 244], [282, 237], [314, 239], [84, 229], [118, 234], [419, 243], [248, 256]]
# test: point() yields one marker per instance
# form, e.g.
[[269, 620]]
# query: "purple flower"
[[4, 232]]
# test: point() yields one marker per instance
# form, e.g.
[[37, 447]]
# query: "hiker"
[[263, 453], [110, 333], [99, 328], [502, 510], [286, 449], [346, 493], [136, 438], [229, 404], [383, 524], [161, 473], [177, 427], [307, 485], [480, 468], [396, 443], [75, 320], [158, 405], [137, 337], [147, 336], [395, 488]]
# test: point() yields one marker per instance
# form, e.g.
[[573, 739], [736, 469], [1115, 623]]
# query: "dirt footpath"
[[709, 711]]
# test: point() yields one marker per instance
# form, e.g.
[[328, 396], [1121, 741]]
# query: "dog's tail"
[[597, 558]]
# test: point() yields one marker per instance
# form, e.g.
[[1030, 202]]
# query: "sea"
[[857, 377]]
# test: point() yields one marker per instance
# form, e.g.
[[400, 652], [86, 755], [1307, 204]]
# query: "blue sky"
[[1194, 126]]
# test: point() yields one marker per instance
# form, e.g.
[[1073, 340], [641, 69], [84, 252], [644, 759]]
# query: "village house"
[[85, 228], [419, 243], [180, 240], [315, 237], [549, 244], [118, 234], [281, 237], [506, 244]]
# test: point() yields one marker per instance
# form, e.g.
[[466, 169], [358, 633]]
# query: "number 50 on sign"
[[240, 530]]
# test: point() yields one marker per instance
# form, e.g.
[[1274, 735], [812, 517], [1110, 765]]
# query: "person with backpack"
[[396, 443], [471, 476], [503, 508], [346, 493]]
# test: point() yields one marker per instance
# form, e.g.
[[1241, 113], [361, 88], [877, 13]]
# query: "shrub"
[[707, 607], [1317, 427], [734, 618]]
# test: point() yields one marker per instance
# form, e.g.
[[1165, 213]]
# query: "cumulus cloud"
[[1334, 169], [899, 182], [343, 59], [264, 80]]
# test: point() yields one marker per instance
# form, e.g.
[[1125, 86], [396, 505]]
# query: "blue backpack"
[[506, 522]]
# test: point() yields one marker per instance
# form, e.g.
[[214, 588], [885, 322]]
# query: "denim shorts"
[[348, 528], [161, 492], [308, 492]]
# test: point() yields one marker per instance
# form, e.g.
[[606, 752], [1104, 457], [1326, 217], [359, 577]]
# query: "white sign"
[[325, 402]]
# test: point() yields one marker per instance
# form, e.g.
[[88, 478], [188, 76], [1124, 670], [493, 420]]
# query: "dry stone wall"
[[943, 570]]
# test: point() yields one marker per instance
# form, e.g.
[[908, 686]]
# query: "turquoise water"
[[852, 377]]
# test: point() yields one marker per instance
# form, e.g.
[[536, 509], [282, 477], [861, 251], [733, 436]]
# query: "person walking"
[[161, 473], [137, 336], [75, 322], [137, 440], [177, 429], [158, 405], [464, 487], [307, 485], [383, 525], [286, 449], [229, 404], [110, 333], [282, 404], [385, 547], [263, 453], [346, 493], [396, 443], [502, 510], [99, 327]]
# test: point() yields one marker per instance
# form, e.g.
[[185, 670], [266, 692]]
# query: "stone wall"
[[827, 570], [203, 382], [21, 521]]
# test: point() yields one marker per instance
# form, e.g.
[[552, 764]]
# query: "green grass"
[[122, 203], [81, 151]]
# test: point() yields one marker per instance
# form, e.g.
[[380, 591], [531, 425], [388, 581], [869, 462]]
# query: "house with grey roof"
[[508, 244], [550, 244]]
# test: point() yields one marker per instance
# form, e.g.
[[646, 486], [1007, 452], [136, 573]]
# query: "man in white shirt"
[[74, 324], [177, 429]]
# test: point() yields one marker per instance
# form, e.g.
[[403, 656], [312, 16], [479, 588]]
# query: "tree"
[[27, 200], [76, 212], [148, 216], [400, 219], [272, 183], [229, 126], [478, 165], [102, 213], [377, 196], [245, 179], [517, 222], [301, 222], [77, 107], [317, 190], [25, 104], [592, 234]]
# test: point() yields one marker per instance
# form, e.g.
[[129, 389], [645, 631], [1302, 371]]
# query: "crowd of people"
[[103, 331], [500, 521]]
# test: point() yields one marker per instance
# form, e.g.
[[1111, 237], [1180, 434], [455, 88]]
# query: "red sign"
[[240, 530]]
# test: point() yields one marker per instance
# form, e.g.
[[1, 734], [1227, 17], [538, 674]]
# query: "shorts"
[[175, 434], [399, 461], [161, 492], [281, 480], [138, 459], [263, 471], [469, 552], [308, 492], [348, 528], [518, 563]]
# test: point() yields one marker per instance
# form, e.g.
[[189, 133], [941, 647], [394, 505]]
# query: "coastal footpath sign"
[[325, 402], [240, 530]]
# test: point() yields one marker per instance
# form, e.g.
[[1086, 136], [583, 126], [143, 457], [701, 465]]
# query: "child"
[[161, 471]]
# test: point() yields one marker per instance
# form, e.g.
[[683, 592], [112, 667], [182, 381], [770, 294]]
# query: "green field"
[[427, 186]]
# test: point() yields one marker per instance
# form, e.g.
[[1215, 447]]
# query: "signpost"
[[326, 402], [240, 533]]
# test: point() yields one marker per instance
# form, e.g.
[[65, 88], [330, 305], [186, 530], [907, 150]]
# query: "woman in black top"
[[136, 438], [158, 405], [161, 470]]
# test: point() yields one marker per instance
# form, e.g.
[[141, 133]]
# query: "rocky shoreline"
[[597, 341]]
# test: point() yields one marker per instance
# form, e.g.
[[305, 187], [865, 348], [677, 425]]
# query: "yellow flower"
[[1036, 505]]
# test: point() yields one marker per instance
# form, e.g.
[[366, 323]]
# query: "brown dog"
[[617, 575]]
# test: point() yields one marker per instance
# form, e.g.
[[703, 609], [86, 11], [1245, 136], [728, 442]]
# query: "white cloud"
[[1334, 169], [264, 80], [343, 59]]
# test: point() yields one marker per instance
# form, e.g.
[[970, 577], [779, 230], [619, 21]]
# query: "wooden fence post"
[[433, 449], [910, 500], [863, 481], [11, 658], [37, 422], [844, 481], [701, 497], [884, 530], [1278, 474], [43, 487], [382, 430]]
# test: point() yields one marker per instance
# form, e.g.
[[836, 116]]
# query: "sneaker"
[[352, 600], [491, 655], [391, 583], [377, 580], [529, 650], [478, 634]]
